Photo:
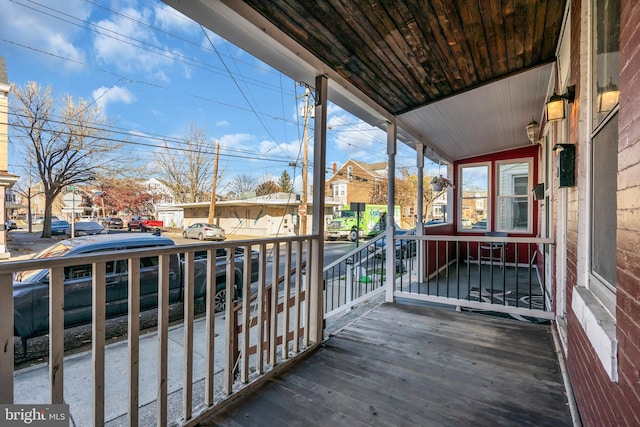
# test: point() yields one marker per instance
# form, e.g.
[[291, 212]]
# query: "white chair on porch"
[[493, 251]]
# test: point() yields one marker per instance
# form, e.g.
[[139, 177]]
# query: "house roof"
[[275, 199], [373, 169], [462, 77]]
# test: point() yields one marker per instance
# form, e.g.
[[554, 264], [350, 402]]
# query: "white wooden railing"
[[259, 335], [501, 274]]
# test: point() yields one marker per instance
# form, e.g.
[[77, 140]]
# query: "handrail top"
[[481, 239], [8, 267]]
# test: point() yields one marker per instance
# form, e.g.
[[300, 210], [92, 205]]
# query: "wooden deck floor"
[[416, 365]]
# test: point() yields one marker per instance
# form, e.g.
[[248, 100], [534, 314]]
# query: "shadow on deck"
[[414, 364]]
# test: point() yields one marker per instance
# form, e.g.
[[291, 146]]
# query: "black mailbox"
[[566, 164]]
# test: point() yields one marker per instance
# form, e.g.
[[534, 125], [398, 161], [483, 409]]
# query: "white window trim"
[[599, 327], [489, 207], [529, 162]]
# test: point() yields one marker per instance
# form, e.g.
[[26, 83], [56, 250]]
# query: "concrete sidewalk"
[[31, 385]]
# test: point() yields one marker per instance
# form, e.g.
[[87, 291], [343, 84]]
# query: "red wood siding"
[[518, 153]]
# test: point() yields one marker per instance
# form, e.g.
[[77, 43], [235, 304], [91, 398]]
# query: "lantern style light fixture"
[[532, 131], [555, 105], [608, 97]]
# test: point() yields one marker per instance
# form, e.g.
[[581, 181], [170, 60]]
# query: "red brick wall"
[[600, 401]]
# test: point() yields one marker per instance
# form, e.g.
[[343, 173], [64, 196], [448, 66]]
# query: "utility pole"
[[305, 165], [214, 181]]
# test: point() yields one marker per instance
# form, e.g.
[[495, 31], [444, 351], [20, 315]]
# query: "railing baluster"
[[98, 339], [273, 332], [230, 332], [307, 297], [516, 275], [479, 272], [427, 263], [133, 338], [437, 267], [468, 270], [210, 322], [56, 334], [298, 287], [530, 289], [262, 277], [446, 246], [187, 390], [163, 337], [504, 272], [246, 314], [285, 301], [6, 339]]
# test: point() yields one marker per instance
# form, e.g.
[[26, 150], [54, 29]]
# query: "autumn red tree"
[[124, 195]]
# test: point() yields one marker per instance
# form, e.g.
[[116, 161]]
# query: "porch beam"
[[392, 133], [420, 207], [317, 245]]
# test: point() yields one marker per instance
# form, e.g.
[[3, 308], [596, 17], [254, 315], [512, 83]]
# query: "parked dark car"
[[113, 222], [60, 227], [31, 288], [86, 228], [404, 248]]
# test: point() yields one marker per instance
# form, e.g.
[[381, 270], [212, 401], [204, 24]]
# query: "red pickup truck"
[[144, 223]]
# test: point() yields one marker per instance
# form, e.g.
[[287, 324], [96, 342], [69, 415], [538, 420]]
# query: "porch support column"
[[419, 210], [317, 243], [390, 258]]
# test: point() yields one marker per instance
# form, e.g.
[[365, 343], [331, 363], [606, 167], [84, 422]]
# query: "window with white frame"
[[604, 151], [350, 172], [514, 198], [474, 196], [339, 190]]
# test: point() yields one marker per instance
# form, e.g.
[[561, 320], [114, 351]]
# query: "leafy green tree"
[[285, 183]]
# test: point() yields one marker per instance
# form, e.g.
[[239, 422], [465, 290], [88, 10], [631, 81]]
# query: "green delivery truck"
[[373, 221]]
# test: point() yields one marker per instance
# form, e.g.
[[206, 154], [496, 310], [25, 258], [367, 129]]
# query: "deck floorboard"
[[410, 364]]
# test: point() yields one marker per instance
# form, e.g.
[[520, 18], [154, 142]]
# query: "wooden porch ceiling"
[[393, 59]]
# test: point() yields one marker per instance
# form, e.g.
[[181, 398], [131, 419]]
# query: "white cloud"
[[357, 140], [104, 96], [42, 31], [130, 47], [170, 19], [238, 140], [223, 123]]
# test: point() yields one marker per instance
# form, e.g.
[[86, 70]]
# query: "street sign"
[[72, 188], [302, 210]]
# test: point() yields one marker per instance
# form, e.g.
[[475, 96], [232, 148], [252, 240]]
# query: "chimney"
[[335, 168]]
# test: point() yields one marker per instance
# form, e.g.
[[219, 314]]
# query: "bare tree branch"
[[68, 147], [188, 176]]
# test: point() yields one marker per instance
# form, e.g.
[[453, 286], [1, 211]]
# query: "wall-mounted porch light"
[[532, 131], [608, 97], [555, 105]]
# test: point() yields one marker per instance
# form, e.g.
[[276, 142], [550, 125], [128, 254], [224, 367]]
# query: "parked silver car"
[[203, 231]]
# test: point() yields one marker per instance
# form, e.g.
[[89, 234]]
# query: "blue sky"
[[154, 71]]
